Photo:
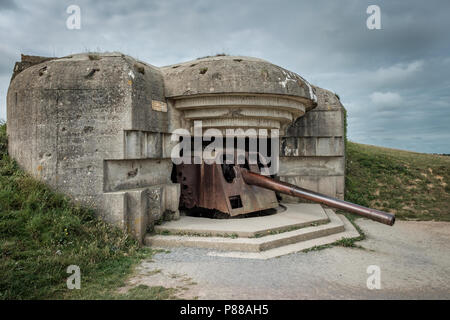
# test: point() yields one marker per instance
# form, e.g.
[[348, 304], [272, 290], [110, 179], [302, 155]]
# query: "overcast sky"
[[394, 82]]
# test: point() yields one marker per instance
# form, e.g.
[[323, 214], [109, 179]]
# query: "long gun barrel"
[[256, 179]]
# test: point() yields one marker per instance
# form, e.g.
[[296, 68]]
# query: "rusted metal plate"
[[205, 186]]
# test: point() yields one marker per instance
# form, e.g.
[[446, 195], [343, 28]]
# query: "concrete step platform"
[[295, 216], [276, 243], [349, 233]]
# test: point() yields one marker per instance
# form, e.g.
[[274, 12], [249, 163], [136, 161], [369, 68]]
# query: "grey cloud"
[[7, 5], [327, 42]]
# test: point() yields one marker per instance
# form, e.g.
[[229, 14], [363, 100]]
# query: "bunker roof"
[[235, 74]]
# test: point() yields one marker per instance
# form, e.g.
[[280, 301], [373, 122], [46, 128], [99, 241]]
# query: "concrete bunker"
[[98, 126]]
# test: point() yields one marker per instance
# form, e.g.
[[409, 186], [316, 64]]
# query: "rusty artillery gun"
[[256, 179], [241, 189]]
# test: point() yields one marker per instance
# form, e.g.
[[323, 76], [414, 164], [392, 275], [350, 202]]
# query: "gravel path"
[[414, 260]]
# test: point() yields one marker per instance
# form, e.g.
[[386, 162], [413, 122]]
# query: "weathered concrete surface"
[[253, 239], [237, 92], [414, 258], [26, 62], [234, 74], [293, 216], [89, 125], [313, 149], [222, 111]]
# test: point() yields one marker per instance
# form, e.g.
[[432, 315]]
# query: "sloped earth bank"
[[413, 257]]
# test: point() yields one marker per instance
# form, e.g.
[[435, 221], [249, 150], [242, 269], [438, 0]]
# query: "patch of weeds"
[[161, 251], [232, 236], [216, 55], [159, 221], [94, 57], [144, 292], [344, 242], [288, 229], [195, 234], [153, 272], [348, 242], [317, 248]]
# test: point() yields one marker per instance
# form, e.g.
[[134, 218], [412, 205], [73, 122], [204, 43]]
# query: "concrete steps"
[[350, 232], [244, 244], [293, 216]]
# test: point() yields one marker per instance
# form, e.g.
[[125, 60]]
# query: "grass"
[[143, 292], [194, 234], [414, 186], [43, 232], [216, 55]]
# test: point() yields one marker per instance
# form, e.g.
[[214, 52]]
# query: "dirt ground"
[[413, 259]]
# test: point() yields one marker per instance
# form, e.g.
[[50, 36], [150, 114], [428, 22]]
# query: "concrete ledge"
[[349, 233], [255, 245], [294, 217]]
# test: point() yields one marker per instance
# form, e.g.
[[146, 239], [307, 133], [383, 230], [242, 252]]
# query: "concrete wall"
[[313, 150], [92, 127]]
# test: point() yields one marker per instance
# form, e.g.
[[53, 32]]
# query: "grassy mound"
[[42, 233], [414, 186]]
